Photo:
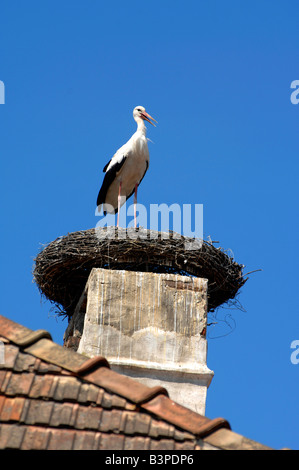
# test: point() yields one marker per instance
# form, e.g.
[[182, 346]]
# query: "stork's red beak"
[[148, 118]]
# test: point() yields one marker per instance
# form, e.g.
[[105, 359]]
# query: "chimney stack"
[[148, 326]]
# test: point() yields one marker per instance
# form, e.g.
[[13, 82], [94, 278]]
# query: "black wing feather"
[[108, 180], [106, 166]]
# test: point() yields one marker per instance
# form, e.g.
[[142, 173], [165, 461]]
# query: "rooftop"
[[54, 398]]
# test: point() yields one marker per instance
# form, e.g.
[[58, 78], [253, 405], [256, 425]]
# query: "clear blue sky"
[[216, 76]]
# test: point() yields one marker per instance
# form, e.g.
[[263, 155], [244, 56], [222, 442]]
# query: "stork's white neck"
[[141, 126]]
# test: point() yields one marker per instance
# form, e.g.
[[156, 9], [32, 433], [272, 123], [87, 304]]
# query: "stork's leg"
[[135, 205], [118, 203]]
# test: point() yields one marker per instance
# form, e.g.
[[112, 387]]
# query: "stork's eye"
[[139, 110]]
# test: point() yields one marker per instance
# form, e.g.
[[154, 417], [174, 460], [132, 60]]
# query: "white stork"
[[126, 169]]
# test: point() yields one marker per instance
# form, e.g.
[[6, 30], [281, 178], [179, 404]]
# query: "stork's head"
[[140, 113]]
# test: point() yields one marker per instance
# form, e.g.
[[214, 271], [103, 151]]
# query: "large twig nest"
[[62, 267]]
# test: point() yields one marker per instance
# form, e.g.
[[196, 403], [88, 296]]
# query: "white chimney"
[[149, 326]]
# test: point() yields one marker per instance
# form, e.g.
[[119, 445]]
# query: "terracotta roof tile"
[[94, 395], [61, 439], [63, 414], [11, 436], [2, 379], [24, 362], [110, 422], [87, 440], [118, 402], [185, 445], [19, 384], [11, 353], [12, 409], [2, 400], [34, 438], [137, 443], [42, 386], [111, 442], [39, 412], [182, 435], [162, 444], [45, 368], [53, 398], [141, 423], [161, 429], [67, 388], [88, 417]]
